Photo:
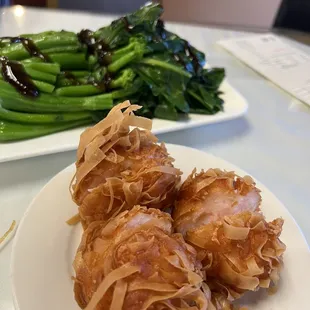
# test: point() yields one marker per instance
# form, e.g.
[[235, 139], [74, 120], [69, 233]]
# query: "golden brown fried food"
[[134, 262], [210, 195], [117, 168], [221, 302], [240, 253], [217, 213]]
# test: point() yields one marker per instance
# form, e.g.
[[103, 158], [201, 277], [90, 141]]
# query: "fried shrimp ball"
[[240, 253], [208, 196], [135, 262], [218, 213], [118, 168]]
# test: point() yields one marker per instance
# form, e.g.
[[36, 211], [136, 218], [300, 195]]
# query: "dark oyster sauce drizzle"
[[191, 54], [126, 22], [101, 50], [104, 84], [86, 37], [13, 72], [29, 45], [160, 27], [71, 77]]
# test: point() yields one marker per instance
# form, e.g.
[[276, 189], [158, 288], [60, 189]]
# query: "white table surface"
[[272, 142]]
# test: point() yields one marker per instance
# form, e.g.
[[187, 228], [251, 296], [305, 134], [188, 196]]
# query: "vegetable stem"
[[50, 118], [10, 131], [41, 76], [78, 91], [70, 61], [51, 68], [165, 65], [43, 86]]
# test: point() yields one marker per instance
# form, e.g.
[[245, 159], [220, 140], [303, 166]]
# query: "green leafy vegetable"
[[76, 78]]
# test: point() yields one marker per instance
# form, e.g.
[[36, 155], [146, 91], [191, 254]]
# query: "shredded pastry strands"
[[218, 213], [115, 275], [140, 264], [8, 235], [208, 196], [235, 233], [119, 295], [88, 138], [119, 167], [233, 267], [115, 115], [74, 220]]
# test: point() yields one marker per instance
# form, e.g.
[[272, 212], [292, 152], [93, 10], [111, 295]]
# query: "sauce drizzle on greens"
[[14, 73]]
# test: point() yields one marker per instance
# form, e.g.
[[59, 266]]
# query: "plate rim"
[[168, 145]]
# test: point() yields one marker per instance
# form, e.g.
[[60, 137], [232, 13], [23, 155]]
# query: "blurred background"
[[291, 15]]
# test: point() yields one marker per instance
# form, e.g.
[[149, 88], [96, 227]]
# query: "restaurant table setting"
[[263, 131]]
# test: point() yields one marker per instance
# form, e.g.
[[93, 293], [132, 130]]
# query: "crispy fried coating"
[[208, 196], [218, 213], [118, 168], [135, 262], [240, 253]]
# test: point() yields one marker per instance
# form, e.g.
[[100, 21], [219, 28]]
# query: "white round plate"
[[45, 245]]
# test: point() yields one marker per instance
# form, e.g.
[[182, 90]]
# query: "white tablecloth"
[[272, 142]]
